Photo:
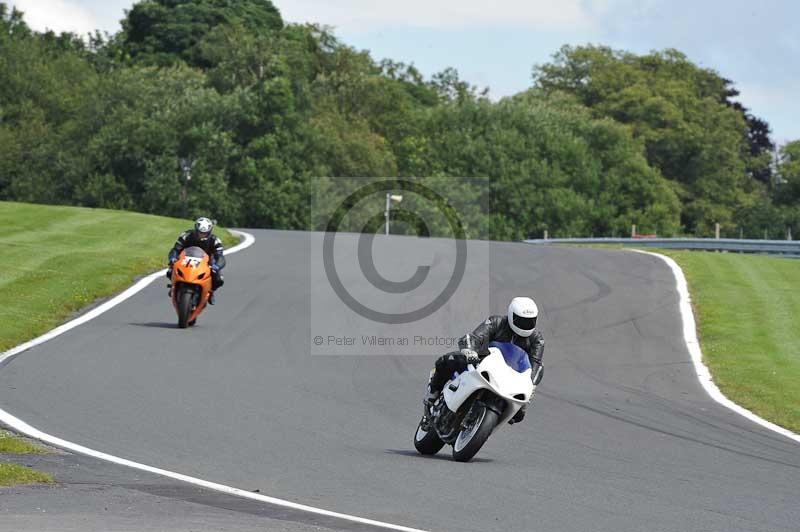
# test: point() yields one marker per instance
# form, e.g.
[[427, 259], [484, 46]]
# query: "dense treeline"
[[262, 109]]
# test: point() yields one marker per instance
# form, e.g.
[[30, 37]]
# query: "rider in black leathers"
[[474, 348], [202, 236]]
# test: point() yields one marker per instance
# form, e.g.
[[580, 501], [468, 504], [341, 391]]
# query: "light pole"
[[186, 168], [389, 199]]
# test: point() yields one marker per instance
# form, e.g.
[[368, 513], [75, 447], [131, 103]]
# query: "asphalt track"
[[621, 438]]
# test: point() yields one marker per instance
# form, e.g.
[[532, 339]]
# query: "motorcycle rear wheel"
[[184, 308], [471, 438], [427, 441]]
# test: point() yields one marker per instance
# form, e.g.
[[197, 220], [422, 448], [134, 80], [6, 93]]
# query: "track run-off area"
[[621, 437]]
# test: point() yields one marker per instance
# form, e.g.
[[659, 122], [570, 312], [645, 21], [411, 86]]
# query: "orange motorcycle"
[[191, 285]]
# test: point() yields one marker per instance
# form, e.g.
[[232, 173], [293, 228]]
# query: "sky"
[[495, 43]]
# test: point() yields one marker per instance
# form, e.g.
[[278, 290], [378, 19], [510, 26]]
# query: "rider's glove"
[[472, 356], [519, 416], [215, 268]]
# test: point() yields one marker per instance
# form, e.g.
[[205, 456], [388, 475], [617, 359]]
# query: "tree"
[[272, 114], [683, 115], [788, 170], [162, 32], [12, 23], [758, 137], [550, 166], [42, 95], [450, 87]]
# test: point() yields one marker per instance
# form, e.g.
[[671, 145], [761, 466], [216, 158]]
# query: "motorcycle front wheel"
[[184, 308], [427, 441], [474, 435]]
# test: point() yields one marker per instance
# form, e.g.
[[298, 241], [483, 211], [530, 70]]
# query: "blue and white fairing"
[[506, 371]]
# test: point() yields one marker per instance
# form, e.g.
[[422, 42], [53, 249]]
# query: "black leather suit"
[[211, 245]]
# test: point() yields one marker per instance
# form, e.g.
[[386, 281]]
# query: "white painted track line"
[[21, 426], [703, 373], [248, 240], [24, 428]]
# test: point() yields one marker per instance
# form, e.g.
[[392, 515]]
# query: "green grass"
[[57, 260], [12, 445], [748, 313], [13, 474]]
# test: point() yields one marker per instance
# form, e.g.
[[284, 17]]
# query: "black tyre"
[[191, 323], [184, 308], [471, 438], [427, 441]]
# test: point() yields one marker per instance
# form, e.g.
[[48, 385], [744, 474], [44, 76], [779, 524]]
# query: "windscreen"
[[194, 252], [515, 356]]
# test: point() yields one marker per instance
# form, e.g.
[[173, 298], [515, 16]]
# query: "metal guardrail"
[[772, 247]]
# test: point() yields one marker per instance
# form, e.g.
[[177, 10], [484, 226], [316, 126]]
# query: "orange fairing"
[[191, 279]]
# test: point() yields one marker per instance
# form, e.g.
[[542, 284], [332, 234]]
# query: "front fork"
[[486, 400], [491, 401], [472, 416]]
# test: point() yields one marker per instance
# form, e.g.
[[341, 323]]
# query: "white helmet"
[[522, 314], [203, 227]]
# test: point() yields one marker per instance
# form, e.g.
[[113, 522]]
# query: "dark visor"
[[526, 324]]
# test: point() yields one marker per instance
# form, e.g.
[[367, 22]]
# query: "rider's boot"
[[431, 396], [211, 299]]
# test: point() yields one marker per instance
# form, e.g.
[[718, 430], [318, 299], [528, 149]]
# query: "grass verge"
[[748, 314], [13, 474], [12, 445], [58, 260]]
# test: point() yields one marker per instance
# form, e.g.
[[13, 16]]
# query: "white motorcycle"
[[477, 402]]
